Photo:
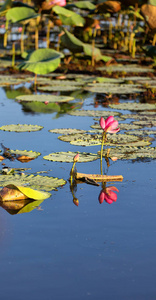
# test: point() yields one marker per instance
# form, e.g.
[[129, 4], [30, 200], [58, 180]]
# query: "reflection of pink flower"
[[58, 2], [108, 195], [109, 125]]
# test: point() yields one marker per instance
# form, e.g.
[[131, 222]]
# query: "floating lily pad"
[[21, 127], [10, 80], [66, 130], [93, 113], [44, 98], [125, 68], [133, 106], [68, 83], [31, 154], [134, 153], [58, 88], [113, 88], [96, 139], [146, 123], [69, 156], [142, 132], [123, 126], [35, 182]]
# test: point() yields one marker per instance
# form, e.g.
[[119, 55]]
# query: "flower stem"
[[103, 141]]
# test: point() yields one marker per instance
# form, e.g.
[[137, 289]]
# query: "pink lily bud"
[[76, 157]]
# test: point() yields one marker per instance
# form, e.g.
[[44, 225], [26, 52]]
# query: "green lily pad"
[[83, 5], [44, 98], [77, 46], [93, 113], [66, 130], [68, 17], [32, 154], [135, 153], [125, 68], [44, 80], [10, 80], [69, 156], [58, 88], [21, 127], [38, 182], [142, 132], [20, 14], [113, 88], [123, 126], [146, 123], [96, 139], [42, 61], [133, 106]]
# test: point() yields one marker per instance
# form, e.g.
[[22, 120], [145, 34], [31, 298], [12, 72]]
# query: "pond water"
[[63, 251]]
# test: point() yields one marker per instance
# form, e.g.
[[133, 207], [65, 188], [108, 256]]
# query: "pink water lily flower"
[[109, 125], [58, 2], [108, 195]]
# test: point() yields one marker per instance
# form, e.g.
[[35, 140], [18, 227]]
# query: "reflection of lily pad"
[[93, 113], [126, 152], [31, 154], [39, 107], [68, 156], [96, 139], [44, 98], [133, 106], [35, 182], [20, 206], [21, 127]]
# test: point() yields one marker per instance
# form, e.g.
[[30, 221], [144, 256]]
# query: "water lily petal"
[[112, 188], [114, 130], [102, 123], [109, 120], [108, 200], [101, 196]]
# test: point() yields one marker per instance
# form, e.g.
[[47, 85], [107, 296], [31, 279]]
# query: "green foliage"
[[68, 17], [152, 2], [76, 46], [20, 14], [42, 61], [83, 5]]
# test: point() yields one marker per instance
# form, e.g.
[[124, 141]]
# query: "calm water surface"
[[61, 251]]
